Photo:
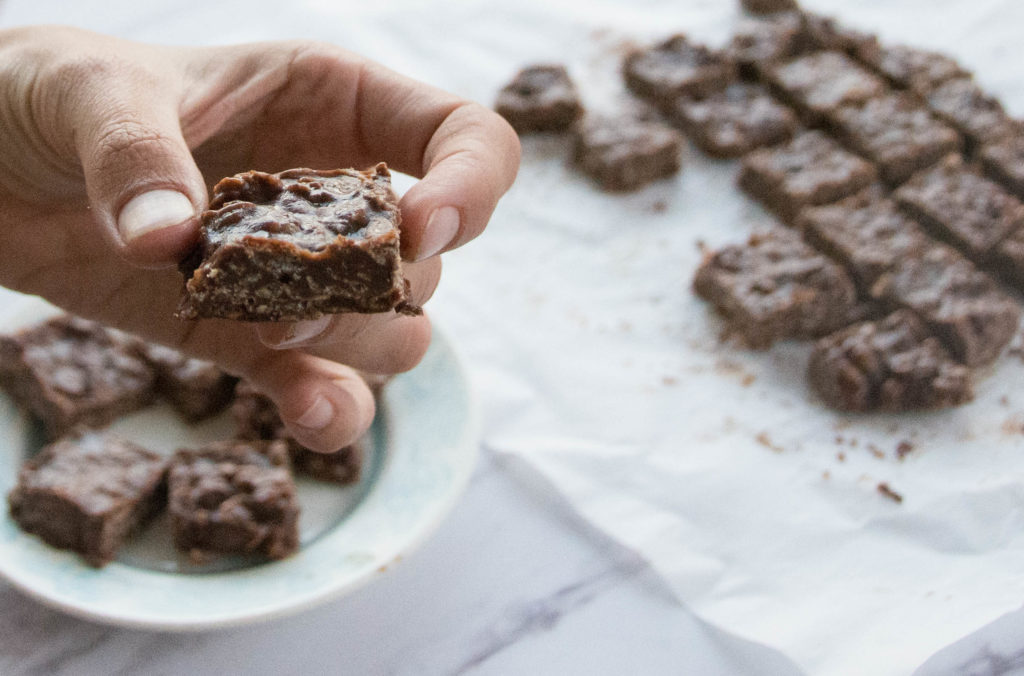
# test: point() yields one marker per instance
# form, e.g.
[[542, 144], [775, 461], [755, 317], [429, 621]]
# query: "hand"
[[106, 151]]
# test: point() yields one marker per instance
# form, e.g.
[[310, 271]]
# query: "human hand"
[[107, 148]]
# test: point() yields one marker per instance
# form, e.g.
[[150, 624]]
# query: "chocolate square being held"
[[196, 389], [810, 170], [256, 417], [962, 207], [776, 287], [818, 83], [69, 371], [734, 121], [297, 245], [234, 497], [540, 98], [979, 117], [625, 153], [674, 67], [920, 70], [895, 132], [869, 235], [892, 364], [962, 306], [1004, 162], [88, 493]]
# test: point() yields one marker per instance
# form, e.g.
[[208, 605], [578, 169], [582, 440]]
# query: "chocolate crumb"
[[766, 441], [876, 451], [840, 456], [888, 492], [903, 449]]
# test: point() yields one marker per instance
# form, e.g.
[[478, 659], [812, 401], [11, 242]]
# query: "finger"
[[423, 279], [325, 405], [142, 182]]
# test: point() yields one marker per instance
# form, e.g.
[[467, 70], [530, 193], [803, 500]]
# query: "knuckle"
[[124, 140]]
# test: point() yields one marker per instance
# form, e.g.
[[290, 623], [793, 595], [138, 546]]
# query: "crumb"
[[748, 379], [766, 441], [659, 207], [840, 440], [876, 451], [888, 492], [854, 443], [669, 380], [903, 449], [840, 456], [826, 475], [1004, 400], [1013, 426]]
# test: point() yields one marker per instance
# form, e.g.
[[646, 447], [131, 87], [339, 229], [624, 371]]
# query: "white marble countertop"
[[514, 582]]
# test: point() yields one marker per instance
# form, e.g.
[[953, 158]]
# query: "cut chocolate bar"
[[256, 417], [962, 207], [196, 389], [896, 133], [540, 98], [734, 121], [818, 83], [979, 117], [810, 170], [826, 33], [623, 154], [776, 287], [88, 493], [892, 364], [961, 305], [869, 235], [297, 245], [70, 371], [234, 497], [663, 72], [758, 43], [919, 70]]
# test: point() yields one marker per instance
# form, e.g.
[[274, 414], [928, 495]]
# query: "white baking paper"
[[598, 367]]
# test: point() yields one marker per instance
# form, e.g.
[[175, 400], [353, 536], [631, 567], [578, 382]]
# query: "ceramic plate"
[[422, 449]]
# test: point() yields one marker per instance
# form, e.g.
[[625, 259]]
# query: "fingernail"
[[442, 226], [294, 334], [317, 416], [151, 211]]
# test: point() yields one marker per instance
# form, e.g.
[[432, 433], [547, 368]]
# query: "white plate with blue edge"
[[421, 452]]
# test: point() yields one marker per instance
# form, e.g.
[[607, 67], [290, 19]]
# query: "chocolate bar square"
[[892, 364], [920, 70], [297, 245], [758, 43], [734, 121], [675, 67], [869, 235], [961, 305], [979, 117], [88, 493], [962, 207], [623, 154], [70, 371], [896, 133], [776, 287], [196, 389], [233, 497], [818, 83], [810, 170], [540, 98]]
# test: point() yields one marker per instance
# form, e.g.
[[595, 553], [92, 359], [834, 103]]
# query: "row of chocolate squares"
[[899, 106], [88, 491]]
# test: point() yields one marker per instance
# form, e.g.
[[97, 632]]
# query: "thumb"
[[141, 179]]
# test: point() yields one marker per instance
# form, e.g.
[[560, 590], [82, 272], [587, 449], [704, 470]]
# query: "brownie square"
[[826, 33], [196, 389], [256, 418], [961, 305], [962, 207], [768, 6], [1003, 160], [869, 235], [896, 133], [234, 497], [540, 98], [70, 371], [892, 364], [758, 43], [88, 494], [810, 170], [776, 287], [817, 84], [623, 154], [919, 70], [979, 117], [297, 245], [675, 67], [734, 121]]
